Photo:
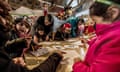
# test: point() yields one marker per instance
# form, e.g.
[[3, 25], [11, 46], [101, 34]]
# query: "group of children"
[[44, 29], [101, 51], [48, 28]]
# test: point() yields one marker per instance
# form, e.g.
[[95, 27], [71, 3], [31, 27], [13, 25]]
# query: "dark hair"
[[18, 20], [67, 8], [41, 19], [80, 20], [50, 18], [99, 9], [41, 28], [27, 25]]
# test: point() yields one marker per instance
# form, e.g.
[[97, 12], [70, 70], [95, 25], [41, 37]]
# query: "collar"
[[104, 28]]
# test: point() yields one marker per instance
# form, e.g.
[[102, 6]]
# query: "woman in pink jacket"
[[104, 52]]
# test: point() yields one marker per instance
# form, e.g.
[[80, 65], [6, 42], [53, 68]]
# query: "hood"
[[104, 28]]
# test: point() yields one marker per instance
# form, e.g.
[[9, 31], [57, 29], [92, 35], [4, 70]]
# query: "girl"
[[39, 35], [21, 29], [80, 27], [63, 32]]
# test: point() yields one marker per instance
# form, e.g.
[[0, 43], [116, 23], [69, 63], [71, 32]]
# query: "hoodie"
[[104, 52]]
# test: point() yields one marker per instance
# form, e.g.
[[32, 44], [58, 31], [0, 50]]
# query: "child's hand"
[[47, 38], [20, 61], [83, 40], [77, 60]]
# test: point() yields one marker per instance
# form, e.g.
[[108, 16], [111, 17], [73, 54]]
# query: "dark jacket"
[[40, 22], [13, 35], [60, 36], [40, 37], [15, 47], [7, 65]]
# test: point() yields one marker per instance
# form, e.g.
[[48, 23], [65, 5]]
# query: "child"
[[63, 32], [89, 29], [39, 35], [25, 29], [21, 29], [80, 27]]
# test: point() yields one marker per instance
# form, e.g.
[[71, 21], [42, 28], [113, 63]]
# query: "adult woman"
[[104, 52]]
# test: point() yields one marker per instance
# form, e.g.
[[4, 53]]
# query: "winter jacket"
[[104, 52]]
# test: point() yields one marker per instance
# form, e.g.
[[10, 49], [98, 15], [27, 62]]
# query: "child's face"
[[25, 29], [47, 22], [19, 27], [41, 32], [79, 22]]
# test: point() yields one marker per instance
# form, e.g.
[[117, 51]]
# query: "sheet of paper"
[[77, 43], [85, 36], [56, 42], [68, 46], [39, 52], [71, 46], [50, 49], [71, 40], [58, 47]]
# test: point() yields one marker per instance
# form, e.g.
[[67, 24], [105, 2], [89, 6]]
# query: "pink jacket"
[[104, 51]]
